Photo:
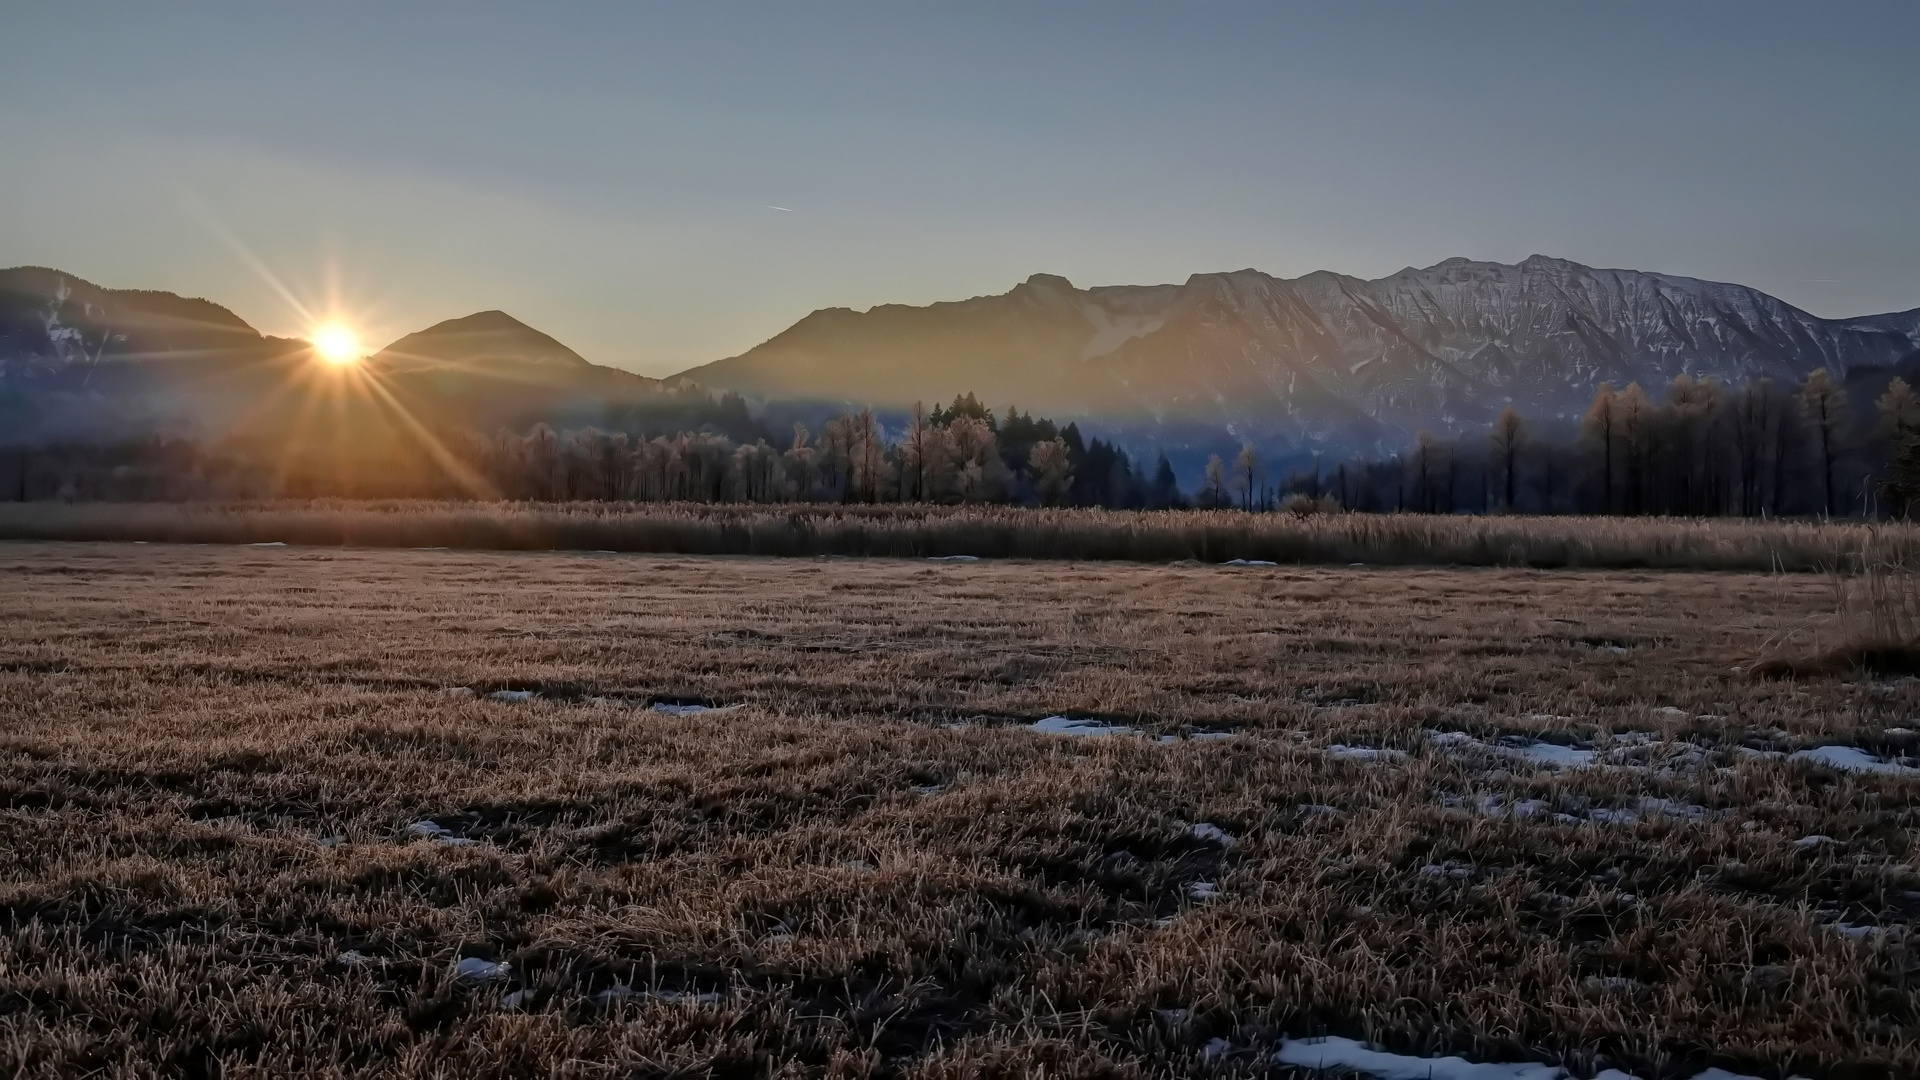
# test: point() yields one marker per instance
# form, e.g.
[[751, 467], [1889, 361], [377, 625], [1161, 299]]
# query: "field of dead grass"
[[917, 531], [250, 826]]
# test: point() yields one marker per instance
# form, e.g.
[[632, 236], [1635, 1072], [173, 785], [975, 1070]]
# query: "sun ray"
[[292, 377], [459, 471], [212, 224], [291, 449], [504, 374]]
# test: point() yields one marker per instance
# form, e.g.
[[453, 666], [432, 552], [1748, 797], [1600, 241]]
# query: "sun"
[[336, 344]]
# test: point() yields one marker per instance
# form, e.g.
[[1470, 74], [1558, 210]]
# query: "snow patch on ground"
[[1334, 1052], [434, 831], [1365, 753], [1066, 725], [671, 709], [1852, 759], [1212, 834], [1572, 810], [1551, 755], [1533, 752], [1351, 1055], [474, 969], [1249, 562]]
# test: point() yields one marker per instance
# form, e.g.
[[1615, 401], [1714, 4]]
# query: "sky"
[[660, 185]]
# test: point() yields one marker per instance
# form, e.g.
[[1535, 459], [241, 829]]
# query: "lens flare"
[[336, 344]]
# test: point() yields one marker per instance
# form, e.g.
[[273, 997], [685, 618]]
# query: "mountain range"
[[1322, 360], [82, 362], [1319, 359]]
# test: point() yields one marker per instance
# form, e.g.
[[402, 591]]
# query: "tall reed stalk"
[[894, 531]]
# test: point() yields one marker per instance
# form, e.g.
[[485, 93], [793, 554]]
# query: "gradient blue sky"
[[606, 172]]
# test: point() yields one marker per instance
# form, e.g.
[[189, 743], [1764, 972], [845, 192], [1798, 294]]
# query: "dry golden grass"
[[1874, 625], [989, 531], [864, 890]]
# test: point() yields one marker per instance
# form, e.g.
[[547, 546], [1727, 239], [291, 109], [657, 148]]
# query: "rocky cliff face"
[[1322, 357]]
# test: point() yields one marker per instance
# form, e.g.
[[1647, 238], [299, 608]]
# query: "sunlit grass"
[[989, 532]]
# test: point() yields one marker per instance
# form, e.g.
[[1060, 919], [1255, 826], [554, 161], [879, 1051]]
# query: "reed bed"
[[988, 532], [1874, 625]]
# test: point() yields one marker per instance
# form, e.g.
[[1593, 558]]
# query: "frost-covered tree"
[[1052, 470]]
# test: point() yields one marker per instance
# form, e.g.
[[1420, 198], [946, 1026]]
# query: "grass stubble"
[[871, 869]]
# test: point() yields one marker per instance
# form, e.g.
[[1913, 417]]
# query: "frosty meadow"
[[285, 809]]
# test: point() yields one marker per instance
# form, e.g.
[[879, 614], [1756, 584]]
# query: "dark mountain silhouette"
[[491, 338], [1323, 358], [490, 369], [55, 325], [81, 362]]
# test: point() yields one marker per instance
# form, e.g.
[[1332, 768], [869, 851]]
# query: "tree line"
[[959, 452], [1706, 449]]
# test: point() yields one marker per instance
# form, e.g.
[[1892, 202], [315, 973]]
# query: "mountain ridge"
[[1323, 359], [491, 335], [81, 361], [1320, 357]]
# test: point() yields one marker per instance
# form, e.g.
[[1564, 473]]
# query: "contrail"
[[770, 206]]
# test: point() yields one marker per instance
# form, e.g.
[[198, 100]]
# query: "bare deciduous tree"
[[1507, 435], [1052, 470], [1599, 424], [1824, 404], [1244, 468]]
